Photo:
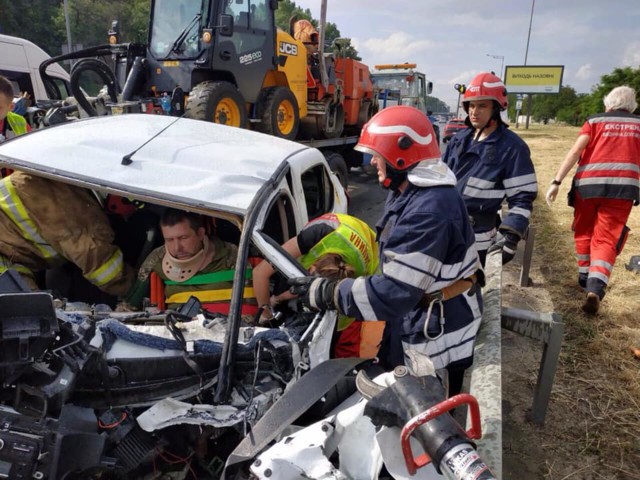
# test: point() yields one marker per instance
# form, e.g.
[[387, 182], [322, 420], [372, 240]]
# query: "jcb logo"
[[288, 48]]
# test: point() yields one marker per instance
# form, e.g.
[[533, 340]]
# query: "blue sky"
[[450, 39]]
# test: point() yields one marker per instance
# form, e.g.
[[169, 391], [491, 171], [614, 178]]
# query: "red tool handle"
[[474, 432]]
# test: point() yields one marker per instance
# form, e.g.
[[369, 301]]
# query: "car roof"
[[178, 161]]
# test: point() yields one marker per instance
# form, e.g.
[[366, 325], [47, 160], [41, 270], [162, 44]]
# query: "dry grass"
[[593, 430]]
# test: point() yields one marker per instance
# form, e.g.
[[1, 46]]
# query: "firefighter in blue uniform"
[[428, 261], [492, 163]]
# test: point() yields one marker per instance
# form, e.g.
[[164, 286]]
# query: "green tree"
[[572, 114], [138, 20], [436, 105], [31, 20], [288, 10], [90, 20], [620, 76], [333, 41], [546, 107], [337, 44]]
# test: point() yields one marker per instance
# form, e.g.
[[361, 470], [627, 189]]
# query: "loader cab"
[[193, 41], [175, 28]]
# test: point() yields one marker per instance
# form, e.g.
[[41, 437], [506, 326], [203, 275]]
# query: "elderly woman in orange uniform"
[[604, 189]]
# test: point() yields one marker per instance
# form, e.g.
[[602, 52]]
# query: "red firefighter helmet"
[[121, 206], [402, 135], [486, 86]]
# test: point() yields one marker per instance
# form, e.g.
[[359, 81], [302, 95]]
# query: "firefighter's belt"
[[447, 293]]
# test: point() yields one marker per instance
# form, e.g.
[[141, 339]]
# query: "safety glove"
[[478, 281], [507, 243], [314, 293]]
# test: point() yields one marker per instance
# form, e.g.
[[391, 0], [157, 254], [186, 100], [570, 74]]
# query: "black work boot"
[[591, 304], [595, 294], [582, 280]]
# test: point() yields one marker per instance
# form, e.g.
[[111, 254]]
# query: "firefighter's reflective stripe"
[[208, 295], [609, 166], [420, 253], [13, 207], [6, 264], [108, 271], [213, 277], [488, 171]]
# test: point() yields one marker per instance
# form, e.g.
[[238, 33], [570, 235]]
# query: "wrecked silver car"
[[91, 393]]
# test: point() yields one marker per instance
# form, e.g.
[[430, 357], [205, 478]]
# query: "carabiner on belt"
[[426, 320]]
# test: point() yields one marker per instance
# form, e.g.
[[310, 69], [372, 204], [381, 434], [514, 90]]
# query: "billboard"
[[533, 78]]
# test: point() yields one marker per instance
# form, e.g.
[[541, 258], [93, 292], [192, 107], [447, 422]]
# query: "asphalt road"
[[366, 197]]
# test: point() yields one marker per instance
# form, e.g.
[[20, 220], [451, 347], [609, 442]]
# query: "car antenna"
[[126, 160]]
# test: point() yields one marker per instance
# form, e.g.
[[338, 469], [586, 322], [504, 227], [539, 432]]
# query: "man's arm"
[[521, 188], [264, 270], [73, 223], [565, 167], [415, 265], [142, 285]]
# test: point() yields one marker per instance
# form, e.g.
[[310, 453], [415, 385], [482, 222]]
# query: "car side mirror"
[[226, 25], [429, 87]]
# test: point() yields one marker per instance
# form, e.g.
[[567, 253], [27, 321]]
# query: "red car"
[[452, 127]]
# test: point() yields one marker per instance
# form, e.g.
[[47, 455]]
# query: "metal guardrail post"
[[486, 377], [529, 238], [549, 328]]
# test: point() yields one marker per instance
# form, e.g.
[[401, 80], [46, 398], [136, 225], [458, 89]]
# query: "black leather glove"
[[508, 243], [478, 283], [314, 293]]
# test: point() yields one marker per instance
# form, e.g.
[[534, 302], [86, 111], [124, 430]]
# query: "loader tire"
[[217, 102], [277, 109]]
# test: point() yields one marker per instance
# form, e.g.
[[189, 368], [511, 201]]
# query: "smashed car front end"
[[93, 393]]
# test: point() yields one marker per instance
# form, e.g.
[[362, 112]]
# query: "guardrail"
[[548, 328], [486, 374]]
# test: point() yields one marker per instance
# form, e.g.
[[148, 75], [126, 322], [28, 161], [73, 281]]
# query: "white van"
[[19, 62]]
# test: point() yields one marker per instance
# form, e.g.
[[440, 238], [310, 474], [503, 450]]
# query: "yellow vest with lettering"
[[353, 240], [17, 123]]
